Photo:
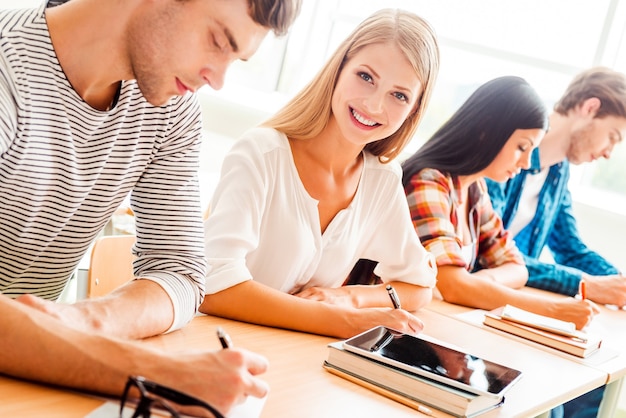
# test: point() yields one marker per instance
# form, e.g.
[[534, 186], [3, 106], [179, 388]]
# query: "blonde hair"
[[308, 113]]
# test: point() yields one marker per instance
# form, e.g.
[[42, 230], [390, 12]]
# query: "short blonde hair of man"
[[308, 113]]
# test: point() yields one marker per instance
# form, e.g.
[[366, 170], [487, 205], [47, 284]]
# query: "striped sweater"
[[66, 167]]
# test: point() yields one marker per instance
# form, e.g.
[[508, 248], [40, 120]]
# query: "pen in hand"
[[224, 338], [395, 300]]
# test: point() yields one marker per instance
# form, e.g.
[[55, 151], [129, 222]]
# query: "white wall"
[[231, 112], [602, 231]]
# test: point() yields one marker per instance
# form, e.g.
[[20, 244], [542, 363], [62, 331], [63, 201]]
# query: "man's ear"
[[590, 106]]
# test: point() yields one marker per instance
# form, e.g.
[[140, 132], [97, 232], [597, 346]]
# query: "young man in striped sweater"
[[96, 102]]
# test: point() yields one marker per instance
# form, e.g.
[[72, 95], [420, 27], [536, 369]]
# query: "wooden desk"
[[300, 387], [609, 324]]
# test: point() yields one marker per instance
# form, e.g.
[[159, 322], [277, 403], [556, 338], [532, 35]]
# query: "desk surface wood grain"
[[301, 387]]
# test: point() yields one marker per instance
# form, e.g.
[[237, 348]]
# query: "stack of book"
[[560, 335], [411, 389]]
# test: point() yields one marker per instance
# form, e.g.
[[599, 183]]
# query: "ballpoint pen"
[[395, 300], [224, 338]]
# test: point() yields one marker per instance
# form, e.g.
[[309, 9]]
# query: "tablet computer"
[[434, 361]]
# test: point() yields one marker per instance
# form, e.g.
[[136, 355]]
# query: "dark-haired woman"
[[491, 135]]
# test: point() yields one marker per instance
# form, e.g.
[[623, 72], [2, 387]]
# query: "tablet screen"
[[430, 359]]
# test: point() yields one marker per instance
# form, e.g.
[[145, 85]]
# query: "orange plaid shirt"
[[434, 199]]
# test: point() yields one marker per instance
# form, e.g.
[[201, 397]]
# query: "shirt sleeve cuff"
[[186, 297]]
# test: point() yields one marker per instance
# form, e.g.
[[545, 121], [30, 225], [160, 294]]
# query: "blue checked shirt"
[[553, 225]]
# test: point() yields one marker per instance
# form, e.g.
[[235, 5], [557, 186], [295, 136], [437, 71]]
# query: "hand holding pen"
[[241, 369], [408, 322]]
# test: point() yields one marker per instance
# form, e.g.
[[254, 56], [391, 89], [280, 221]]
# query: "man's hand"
[[224, 378]]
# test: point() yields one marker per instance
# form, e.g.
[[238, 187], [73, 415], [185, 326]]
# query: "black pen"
[[224, 338], [394, 297]]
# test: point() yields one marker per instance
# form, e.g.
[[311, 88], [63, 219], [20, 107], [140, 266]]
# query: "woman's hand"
[[336, 296], [356, 321], [400, 320]]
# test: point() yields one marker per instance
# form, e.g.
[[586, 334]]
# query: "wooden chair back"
[[111, 264]]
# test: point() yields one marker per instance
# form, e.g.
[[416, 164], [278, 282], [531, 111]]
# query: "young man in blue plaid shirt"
[[536, 205]]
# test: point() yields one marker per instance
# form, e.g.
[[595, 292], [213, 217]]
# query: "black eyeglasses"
[[155, 395]]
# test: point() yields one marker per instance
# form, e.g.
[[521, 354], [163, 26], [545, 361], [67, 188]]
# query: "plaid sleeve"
[[430, 204], [495, 244]]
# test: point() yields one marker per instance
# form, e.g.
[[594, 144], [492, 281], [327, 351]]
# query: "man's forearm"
[[41, 348], [139, 309]]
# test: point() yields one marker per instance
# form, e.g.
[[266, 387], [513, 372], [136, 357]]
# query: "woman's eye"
[[365, 76], [401, 96]]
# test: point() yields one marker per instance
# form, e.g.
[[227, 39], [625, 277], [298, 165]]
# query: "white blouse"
[[263, 224]]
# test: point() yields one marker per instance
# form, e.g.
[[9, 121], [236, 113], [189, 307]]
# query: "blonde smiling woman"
[[314, 189]]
